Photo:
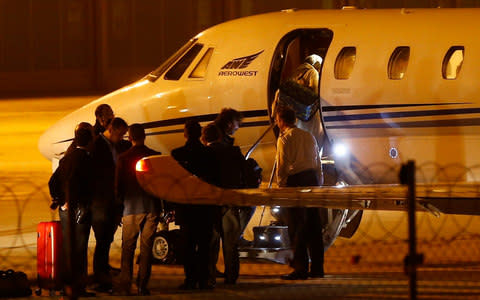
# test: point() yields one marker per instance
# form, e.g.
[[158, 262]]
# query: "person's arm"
[[282, 163], [120, 182], [119, 185], [311, 79], [55, 186]]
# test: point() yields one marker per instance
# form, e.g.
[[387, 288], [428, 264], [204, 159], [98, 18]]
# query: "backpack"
[[55, 186]]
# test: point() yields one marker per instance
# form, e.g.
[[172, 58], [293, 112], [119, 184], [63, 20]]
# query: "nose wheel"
[[166, 248]]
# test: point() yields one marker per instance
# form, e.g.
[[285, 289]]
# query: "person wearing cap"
[[307, 74]]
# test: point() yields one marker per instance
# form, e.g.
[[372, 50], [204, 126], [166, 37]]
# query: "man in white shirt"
[[298, 164]]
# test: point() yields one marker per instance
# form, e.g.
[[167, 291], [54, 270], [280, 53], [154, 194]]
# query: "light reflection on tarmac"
[[368, 267]]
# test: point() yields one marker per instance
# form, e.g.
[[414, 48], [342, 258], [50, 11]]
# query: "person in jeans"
[[298, 164], [73, 179], [140, 214]]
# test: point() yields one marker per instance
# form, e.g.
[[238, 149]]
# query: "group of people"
[[95, 186], [210, 154]]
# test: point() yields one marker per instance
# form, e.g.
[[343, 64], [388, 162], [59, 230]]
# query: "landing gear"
[[166, 247]]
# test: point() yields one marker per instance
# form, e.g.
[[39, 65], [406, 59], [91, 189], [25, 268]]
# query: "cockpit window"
[[398, 63], [452, 62], [345, 62], [163, 67], [201, 68], [182, 64]]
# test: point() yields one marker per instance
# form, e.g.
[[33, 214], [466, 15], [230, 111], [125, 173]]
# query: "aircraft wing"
[[164, 178]]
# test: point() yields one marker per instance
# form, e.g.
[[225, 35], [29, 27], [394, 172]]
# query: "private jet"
[[395, 85]]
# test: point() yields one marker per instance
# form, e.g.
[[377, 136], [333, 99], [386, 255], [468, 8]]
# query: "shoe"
[[206, 286], [316, 275], [295, 276], [243, 243], [114, 271], [85, 294], [187, 286], [227, 281], [143, 292], [104, 288], [219, 274], [121, 293]]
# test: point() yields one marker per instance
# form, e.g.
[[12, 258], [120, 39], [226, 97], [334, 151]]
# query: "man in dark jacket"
[[229, 121], [196, 221], [230, 164], [140, 213], [73, 178], [106, 212]]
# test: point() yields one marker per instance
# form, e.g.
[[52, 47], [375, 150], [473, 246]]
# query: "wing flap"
[[166, 179]]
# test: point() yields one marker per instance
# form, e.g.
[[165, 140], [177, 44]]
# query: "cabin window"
[[201, 67], [163, 67], [182, 64], [452, 62], [398, 63], [345, 62]]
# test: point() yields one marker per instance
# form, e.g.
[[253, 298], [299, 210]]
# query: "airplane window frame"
[[447, 60], [394, 69], [158, 72], [178, 69], [202, 65], [340, 69]]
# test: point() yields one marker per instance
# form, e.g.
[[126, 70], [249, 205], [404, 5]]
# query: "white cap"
[[315, 60]]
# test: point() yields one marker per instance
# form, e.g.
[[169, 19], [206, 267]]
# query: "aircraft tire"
[[165, 247]]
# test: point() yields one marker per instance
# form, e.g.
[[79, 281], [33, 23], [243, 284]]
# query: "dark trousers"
[[104, 227], [228, 229], [78, 254], [144, 225], [305, 228], [197, 235]]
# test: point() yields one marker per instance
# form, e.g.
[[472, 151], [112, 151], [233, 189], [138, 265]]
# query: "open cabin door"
[[297, 52]]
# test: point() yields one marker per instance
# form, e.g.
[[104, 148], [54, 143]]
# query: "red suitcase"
[[49, 249]]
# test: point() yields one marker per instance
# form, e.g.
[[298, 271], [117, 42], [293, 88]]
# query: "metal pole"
[[407, 177]]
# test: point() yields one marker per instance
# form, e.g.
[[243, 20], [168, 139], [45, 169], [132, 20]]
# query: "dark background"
[[83, 46]]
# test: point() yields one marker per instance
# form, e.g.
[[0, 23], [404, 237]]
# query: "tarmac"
[[261, 281]]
